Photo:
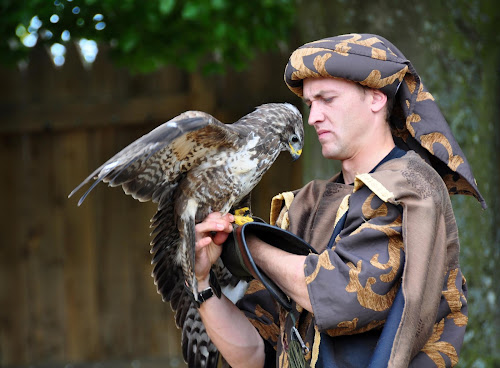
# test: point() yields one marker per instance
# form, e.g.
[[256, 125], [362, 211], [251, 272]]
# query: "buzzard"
[[191, 166]]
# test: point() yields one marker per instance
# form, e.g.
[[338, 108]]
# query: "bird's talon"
[[243, 211], [242, 216], [240, 220]]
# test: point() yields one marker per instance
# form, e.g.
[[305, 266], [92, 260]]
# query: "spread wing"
[[150, 167]]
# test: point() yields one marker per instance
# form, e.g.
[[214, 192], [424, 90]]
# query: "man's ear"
[[379, 99]]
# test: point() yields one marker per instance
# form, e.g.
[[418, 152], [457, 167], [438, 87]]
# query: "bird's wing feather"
[[197, 348], [151, 165]]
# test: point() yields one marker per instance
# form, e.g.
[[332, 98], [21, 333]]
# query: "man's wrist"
[[204, 295], [203, 283], [206, 289]]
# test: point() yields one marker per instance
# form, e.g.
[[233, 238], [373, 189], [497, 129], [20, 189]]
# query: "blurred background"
[[81, 79]]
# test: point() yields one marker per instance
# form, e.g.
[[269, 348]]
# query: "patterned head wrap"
[[418, 123]]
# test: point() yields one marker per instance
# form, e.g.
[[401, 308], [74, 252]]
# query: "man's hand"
[[211, 233]]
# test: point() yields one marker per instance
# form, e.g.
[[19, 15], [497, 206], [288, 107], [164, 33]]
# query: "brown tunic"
[[399, 230]]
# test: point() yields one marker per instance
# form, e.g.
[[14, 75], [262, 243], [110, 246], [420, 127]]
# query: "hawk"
[[191, 166]]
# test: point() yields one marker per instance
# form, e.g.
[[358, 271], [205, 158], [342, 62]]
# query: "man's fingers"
[[217, 216], [220, 237], [203, 242], [214, 225]]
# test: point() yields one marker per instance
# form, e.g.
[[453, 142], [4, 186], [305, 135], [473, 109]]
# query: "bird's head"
[[293, 132], [278, 120]]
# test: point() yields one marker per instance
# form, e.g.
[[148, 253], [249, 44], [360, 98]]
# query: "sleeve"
[[352, 286], [263, 313]]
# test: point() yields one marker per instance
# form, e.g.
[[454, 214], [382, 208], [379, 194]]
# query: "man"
[[383, 224]]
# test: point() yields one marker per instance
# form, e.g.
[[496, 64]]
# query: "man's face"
[[341, 114]]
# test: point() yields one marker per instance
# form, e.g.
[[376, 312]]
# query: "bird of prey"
[[191, 166]]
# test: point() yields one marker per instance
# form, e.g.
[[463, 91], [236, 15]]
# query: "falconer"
[[382, 285]]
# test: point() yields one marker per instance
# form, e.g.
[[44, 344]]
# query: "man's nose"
[[315, 114]]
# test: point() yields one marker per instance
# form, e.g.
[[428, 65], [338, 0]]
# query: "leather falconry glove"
[[238, 260]]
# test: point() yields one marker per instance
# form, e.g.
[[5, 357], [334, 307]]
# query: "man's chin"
[[331, 155]]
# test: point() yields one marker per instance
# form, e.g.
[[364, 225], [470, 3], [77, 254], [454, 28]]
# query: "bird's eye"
[[294, 139]]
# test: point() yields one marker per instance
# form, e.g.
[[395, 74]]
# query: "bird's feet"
[[242, 216]]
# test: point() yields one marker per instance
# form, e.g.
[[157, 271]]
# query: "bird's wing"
[[149, 168]]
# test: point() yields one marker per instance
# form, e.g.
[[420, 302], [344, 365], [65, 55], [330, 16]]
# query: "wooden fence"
[[75, 284]]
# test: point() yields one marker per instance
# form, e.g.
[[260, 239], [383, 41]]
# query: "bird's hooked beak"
[[295, 147], [295, 152]]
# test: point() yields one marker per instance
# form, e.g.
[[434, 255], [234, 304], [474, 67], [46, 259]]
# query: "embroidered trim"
[[343, 208], [315, 348], [375, 186]]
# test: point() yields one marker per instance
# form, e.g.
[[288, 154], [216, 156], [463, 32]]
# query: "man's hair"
[[389, 106]]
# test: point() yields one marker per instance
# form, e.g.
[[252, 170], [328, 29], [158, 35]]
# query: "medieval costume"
[[393, 229]]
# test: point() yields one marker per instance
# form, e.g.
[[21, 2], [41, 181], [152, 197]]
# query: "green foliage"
[[145, 35]]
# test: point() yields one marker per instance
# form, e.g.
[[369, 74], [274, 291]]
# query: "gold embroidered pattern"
[[366, 296], [453, 297], [356, 39], [323, 262], [379, 54], [349, 327], [413, 118], [341, 48], [297, 62], [375, 80], [266, 331], [423, 95], [457, 186], [395, 243], [434, 348], [254, 286], [394, 249], [319, 64], [411, 83], [429, 139], [369, 212]]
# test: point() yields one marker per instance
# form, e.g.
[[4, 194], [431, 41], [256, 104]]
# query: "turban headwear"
[[417, 121]]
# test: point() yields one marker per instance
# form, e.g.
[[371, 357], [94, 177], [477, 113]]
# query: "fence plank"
[[46, 255], [14, 326], [80, 256]]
